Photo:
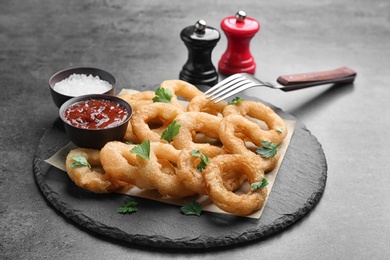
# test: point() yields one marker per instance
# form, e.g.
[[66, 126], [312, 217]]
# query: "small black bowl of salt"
[[75, 82]]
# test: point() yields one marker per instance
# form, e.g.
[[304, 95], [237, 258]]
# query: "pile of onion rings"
[[194, 148]]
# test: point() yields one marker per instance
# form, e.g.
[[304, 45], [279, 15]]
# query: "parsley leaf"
[[142, 150], [80, 161], [163, 95], [193, 208], [279, 129], [259, 185], [128, 207], [268, 150], [171, 131], [235, 100], [204, 160]]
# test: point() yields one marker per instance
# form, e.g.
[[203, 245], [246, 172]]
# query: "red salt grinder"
[[239, 30]]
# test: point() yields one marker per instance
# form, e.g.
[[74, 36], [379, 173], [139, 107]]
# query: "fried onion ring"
[[228, 201], [193, 178], [231, 125], [130, 136], [161, 114], [277, 127], [202, 104], [182, 89], [194, 122], [166, 183], [138, 100], [235, 130], [187, 171], [118, 162], [94, 179]]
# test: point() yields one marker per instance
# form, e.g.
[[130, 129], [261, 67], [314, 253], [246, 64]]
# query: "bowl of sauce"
[[91, 121], [74, 82]]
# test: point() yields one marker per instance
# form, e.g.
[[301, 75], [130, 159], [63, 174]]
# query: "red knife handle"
[[296, 81]]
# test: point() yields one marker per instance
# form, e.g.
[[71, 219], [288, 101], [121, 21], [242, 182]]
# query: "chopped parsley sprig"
[[204, 160], [193, 208], [128, 207], [235, 100], [171, 131], [279, 129], [163, 95], [268, 149], [259, 185], [142, 150], [80, 161]]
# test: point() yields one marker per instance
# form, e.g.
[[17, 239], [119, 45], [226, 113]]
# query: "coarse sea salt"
[[82, 84]]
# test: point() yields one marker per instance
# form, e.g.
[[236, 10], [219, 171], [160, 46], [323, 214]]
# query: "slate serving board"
[[298, 187]]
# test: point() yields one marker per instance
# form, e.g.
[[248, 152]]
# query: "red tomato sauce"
[[96, 114]]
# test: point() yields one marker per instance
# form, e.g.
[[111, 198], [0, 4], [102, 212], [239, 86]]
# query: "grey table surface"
[[139, 42]]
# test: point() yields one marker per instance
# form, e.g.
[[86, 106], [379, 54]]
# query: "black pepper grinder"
[[200, 40]]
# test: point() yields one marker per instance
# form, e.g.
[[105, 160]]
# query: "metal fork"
[[242, 81]]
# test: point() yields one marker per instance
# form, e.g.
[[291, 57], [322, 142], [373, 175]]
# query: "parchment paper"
[[58, 161]]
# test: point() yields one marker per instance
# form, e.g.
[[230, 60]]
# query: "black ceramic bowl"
[[95, 138], [60, 98]]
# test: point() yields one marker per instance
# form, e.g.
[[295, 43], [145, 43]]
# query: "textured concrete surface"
[[139, 42]]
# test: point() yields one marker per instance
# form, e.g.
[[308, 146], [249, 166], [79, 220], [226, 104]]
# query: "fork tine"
[[228, 89], [222, 83], [233, 85], [232, 92]]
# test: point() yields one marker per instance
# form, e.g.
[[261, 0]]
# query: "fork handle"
[[343, 75]]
